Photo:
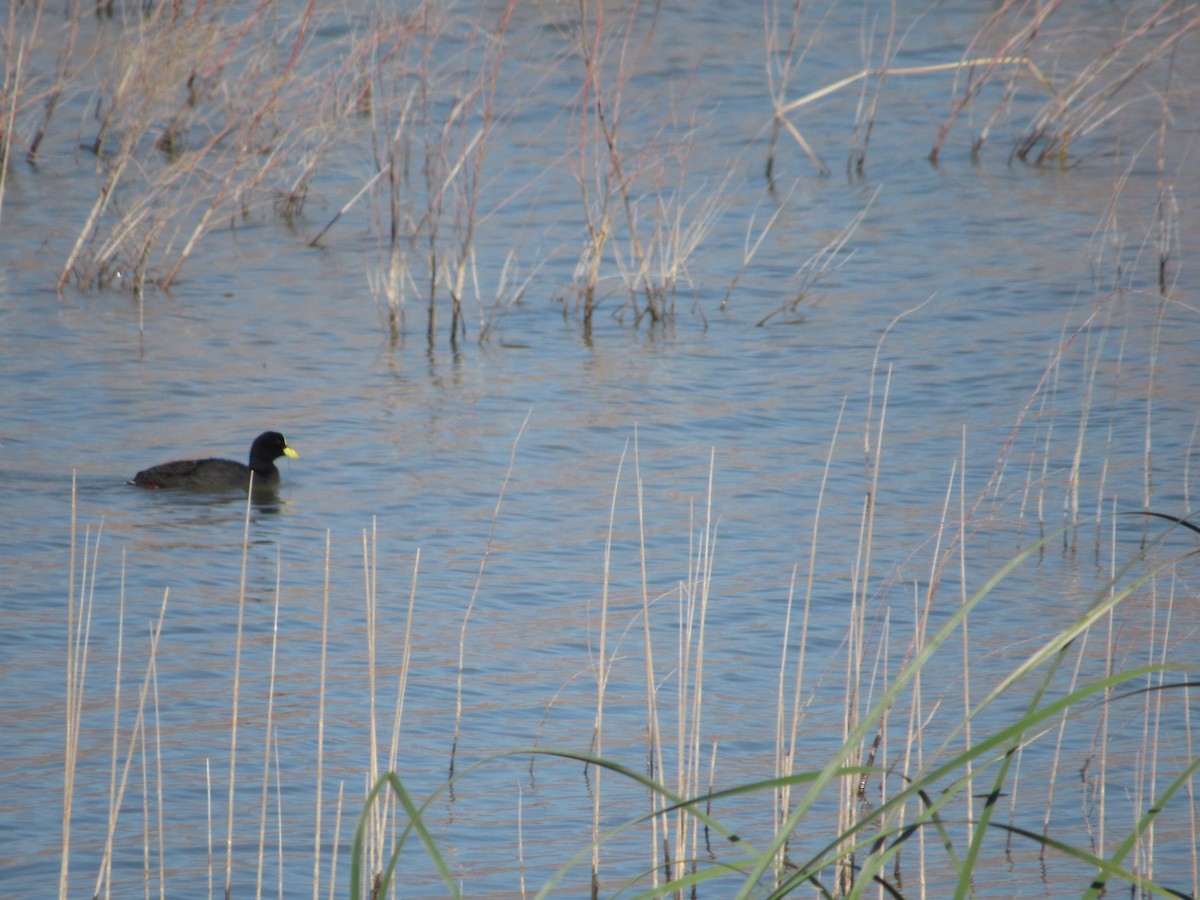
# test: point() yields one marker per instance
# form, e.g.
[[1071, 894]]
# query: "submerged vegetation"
[[403, 120]]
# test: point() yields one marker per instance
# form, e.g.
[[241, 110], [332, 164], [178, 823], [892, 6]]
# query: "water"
[[974, 297]]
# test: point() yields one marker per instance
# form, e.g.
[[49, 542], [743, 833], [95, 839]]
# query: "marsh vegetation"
[[975, 674]]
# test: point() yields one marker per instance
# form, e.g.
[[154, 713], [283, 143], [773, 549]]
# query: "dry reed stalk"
[[139, 79], [879, 746], [597, 214], [434, 196], [786, 759], [913, 757], [1015, 49], [247, 144], [126, 88], [374, 847], [1084, 104], [654, 749], [694, 594], [1047, 385], [1060, 739], [864, 114], [469, 185], [462, 637], [104, 876], [939, 561], [392, 113], [610, 179], [451, 148], [337, 839], [10, 125], [823, 263], [783, 123], [169, 198], [319, 777], [782, 763], [1074, 476], [66, 57], [114, 173], [1193, 806], [675, 236], [963, 597], [1105, 721], [147, 873], [78, 630], [856, 637], [208, 818], [849, 795], [506, 296], [74, 701], [520, 842], [750, 250], [1152, 721], [684, 845], [1068, 112], [273, 739], [601, 665], [18, 94], [1166, 210], [116, 725], [389, 808], [268, 733], [159, 782], [487, 550], [600, 227], [780, 69], [453, 152], [237, 685]]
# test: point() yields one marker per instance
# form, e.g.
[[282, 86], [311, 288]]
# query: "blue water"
[[972, 328]]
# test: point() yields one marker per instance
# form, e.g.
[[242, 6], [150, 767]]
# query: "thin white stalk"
[[963, 596], [373, 847], [601, 664], [707, 552], [520, 840], [337, 838], [146, 872], [405, 660], [278, 816], [209, 819], [116, 726], [103, 881], [653, 736], [320, 775], [462, 636], [158, 784], [237, 684], [74, 691], [782, 763], [266, 775], [797, 693]]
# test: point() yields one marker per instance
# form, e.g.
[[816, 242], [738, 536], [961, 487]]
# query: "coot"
[[221, 474]]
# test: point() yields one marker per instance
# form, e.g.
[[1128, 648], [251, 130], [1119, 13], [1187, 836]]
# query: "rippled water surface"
[[987, 353]]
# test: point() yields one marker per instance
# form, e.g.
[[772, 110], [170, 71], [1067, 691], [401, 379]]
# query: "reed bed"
[[402, 121], [927, 786]]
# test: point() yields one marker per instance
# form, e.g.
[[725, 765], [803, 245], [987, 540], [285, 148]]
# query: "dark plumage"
[[221, 474]]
